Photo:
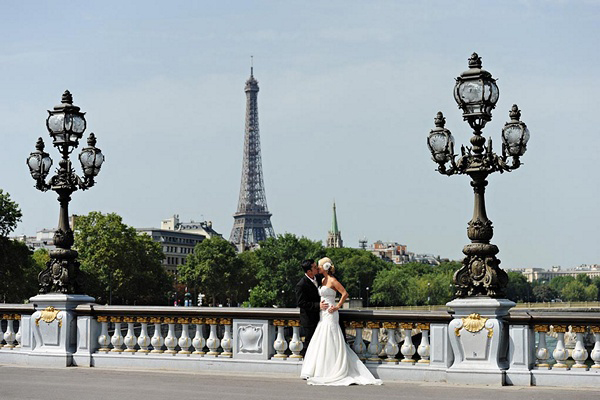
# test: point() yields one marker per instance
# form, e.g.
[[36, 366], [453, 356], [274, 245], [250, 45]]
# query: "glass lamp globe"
[[515, 134], [476, 93], [440, 141], [91, 158], [66, 123], [39, 162]]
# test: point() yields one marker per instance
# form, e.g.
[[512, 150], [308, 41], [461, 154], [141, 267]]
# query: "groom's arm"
[[303, 302]]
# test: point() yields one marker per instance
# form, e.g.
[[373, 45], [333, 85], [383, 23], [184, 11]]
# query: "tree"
[[279, 269], [355, 269], [573, 291], [214, 270], [559, 282], [583, 278], [518, 289], [544, 293], [10, 214], [392, 286], [120, 266], [18, 273]]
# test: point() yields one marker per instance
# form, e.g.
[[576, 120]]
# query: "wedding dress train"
[[329, 360]]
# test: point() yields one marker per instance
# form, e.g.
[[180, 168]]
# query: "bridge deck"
[[29, 383]]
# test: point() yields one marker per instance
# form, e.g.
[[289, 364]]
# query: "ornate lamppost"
[[66, 125], [478, 320], [476, 93]]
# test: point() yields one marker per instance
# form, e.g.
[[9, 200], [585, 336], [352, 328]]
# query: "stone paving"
[[29, 383]]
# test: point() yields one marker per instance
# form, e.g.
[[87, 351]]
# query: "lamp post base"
[[479, 340], [54, 327]]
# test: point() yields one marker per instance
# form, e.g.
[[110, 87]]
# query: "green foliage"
[[414, 284], [518, 288], [279, 270], [120, 265], [573, 291], [18, 272], [214, 270], [10, 214], [544, 293], [559, 282], [584, 279]]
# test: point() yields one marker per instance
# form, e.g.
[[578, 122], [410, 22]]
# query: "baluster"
[[19, 334], [143, 340], [374, 347], [227, 342], [199, 342], [541, 352], [596, 350], [103, 339], [9, 335], [280, 344], [170, 340], [130, 339], [213, 341], [117, 337], [424, 350], [296, 345], [2, 317], [408, 349], [184, 340], [157, 340], [391, 347], [359, 344], [560, 354], [579, 353]]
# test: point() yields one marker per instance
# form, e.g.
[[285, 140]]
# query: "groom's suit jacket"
[[309, 301]]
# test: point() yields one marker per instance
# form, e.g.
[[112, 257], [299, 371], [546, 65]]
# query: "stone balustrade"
[[395, 345]]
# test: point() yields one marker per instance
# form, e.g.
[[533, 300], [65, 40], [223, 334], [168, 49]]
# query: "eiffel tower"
[[252, 221]]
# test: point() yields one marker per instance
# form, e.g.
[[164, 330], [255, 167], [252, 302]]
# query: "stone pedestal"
[[54, 326], [479, 340]]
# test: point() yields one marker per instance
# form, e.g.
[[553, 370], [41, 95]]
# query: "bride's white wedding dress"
[[329, 360]]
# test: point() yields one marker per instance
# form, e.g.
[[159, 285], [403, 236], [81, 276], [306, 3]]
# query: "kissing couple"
[[328, 359]]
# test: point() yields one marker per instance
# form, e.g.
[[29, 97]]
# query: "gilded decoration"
[[579, 328], [183, 320], [198, 321], [155, 320], [406, 325], [595, 329], [294, 322], [490, 332], [17, 317], [559, 328], [48, 315], [102, 318], [357, 324], [142, 320], [129, 320], [169, 320], [423, 326], [390, 325], [474, 322], [278, 322], [7, 316], [373, 325], [211, 321], [541, 328], [116, 319], [225, 321], [457, 331]]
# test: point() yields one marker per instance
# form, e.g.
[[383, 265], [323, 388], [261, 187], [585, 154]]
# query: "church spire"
[[334, 238]]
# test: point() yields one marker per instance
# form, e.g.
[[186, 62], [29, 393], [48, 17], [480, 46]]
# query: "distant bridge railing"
[[394, 344]]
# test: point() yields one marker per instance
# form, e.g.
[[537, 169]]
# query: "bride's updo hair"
[[327, 265]]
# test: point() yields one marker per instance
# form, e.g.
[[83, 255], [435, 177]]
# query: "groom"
[[308, 299]]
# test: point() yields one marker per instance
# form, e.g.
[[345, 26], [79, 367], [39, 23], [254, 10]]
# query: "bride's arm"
[[338, 286]]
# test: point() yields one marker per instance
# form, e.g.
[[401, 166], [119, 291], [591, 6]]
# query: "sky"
[[348, 94]]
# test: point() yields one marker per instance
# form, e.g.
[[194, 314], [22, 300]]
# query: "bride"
[[329, 360]]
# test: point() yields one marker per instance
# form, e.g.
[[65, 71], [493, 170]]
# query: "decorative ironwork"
[[476, 93], [252, 221], [66, 125]]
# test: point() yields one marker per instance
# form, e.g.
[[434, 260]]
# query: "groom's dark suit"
[[309, 301]]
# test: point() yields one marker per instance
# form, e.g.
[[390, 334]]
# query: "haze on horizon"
[[348, 93]]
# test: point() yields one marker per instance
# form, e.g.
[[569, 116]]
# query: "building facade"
[[545, 275]]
